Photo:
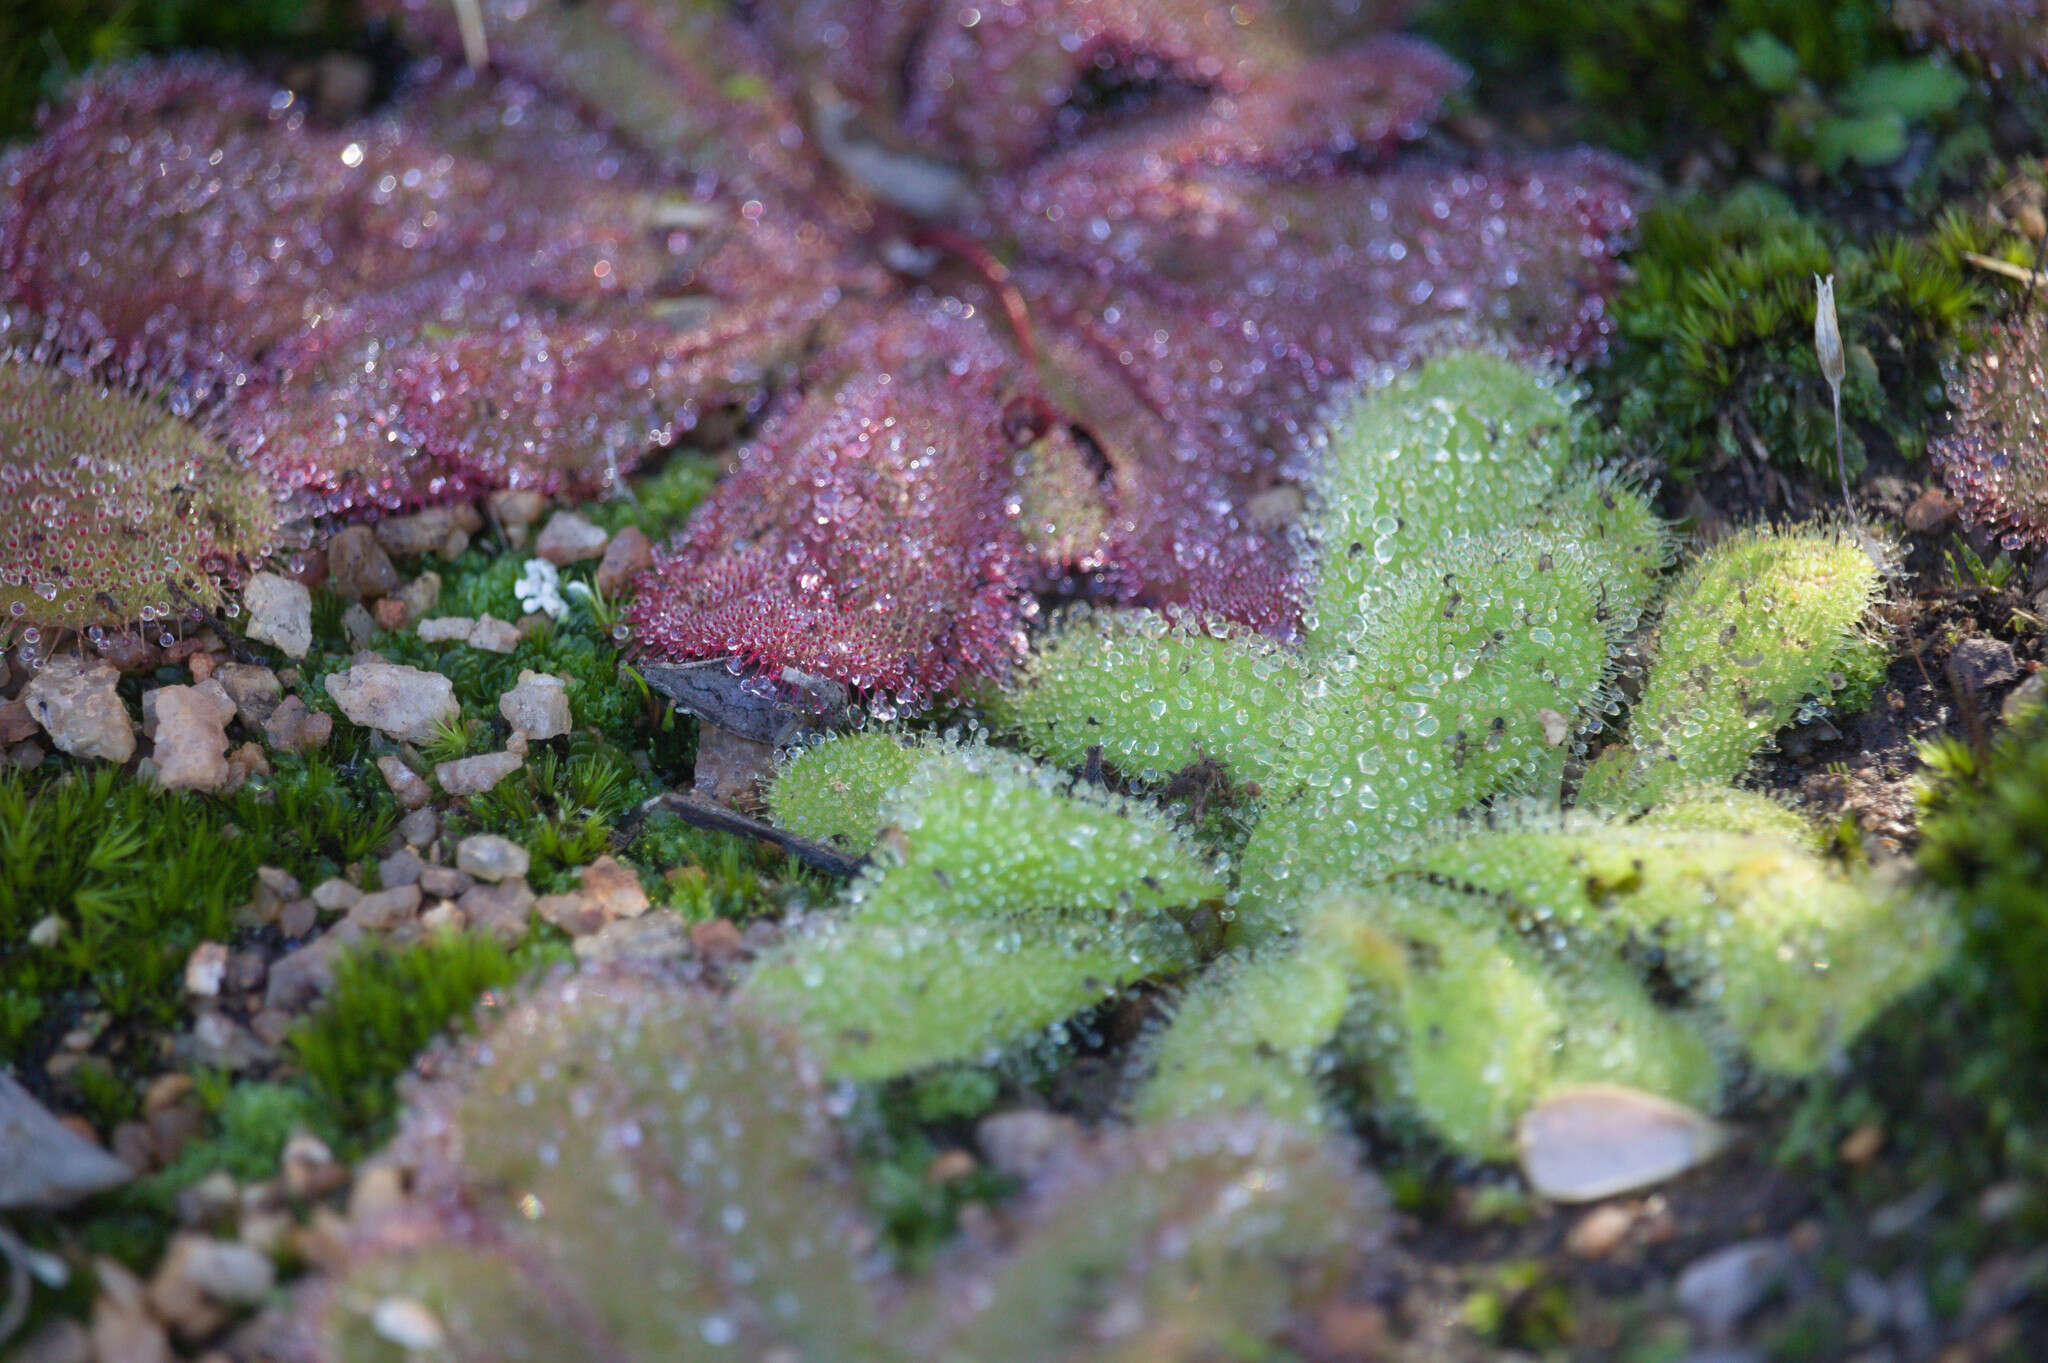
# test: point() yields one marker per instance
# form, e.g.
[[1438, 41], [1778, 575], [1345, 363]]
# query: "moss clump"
[[138, 877], [1830, 84], [1717, 359], [386, 1005], [113, 510], [1985, 834]]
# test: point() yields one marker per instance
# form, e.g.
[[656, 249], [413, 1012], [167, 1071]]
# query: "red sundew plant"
[[113, 510], [1995, 457], [972, 267]]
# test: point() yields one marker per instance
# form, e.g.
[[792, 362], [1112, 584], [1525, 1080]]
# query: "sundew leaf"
[[1043, 296]]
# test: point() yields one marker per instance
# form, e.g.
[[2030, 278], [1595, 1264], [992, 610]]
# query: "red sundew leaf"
[[1995, 456], [2010, 36], [1044, 293], [867, 535]]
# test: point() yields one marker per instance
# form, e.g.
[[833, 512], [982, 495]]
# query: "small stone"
[[420, 596], [538, 706], [443, 882], [280, 613], [950, 1167], [1719, 1290], [401, 701], [246, 970], [629, 554], [402, 867], [191, 735], [176, 1127], [299, 977], [298, 918], [255, 691], [200, 1274], [205, 968], [1862, 1145], [446, 629], [493, 635], [454, 546], [389, 613], [47, 932], [43, 1162], [1556, 726], [165, 1091], [80, 710], [2024, 697], [443, 918], [123, 1330], [613, 888], [653, 938], [1591, 1141], [386, 909], [202, 665], [219, 1042], [246, 763], [516, 507], [134, 1144], [1979, 663], [26, 755], [358, 626], [294, 728], [419, 827], [1600, 1232], [379, 1190], [569, 538], [423, 532], [1931, 511], [407, 1323], [336, 895], [358, 569], [731, 769], [717, 940], [1019, 1143], [271, 1026], [499, 910], [573, 913], [310, 1169], [17, 724], [475, 775], [405, 783]]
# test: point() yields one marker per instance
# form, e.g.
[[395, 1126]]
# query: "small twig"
[[2018, 273], [699, 812]]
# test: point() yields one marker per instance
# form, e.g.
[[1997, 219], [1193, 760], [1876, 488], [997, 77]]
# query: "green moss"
[[252, 1122], [1984, 833], [386, 1005], [661, 501], [1826, 84], [708, 875], [139, 877], [1716, 355], [44, 43]]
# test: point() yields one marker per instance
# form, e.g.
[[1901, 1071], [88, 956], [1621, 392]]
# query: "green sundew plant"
[[1434, 884], [987, 857], [628, 1169]]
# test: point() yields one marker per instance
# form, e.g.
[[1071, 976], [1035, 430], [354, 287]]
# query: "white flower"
[[540, 589]]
